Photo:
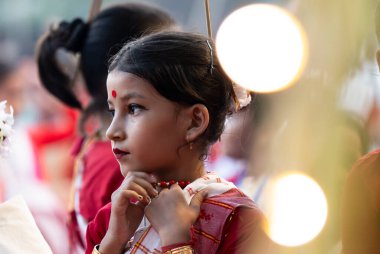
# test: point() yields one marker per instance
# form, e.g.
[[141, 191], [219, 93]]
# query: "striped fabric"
[[146, 239]]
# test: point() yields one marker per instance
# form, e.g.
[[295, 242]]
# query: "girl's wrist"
[[174, 235], [112, 244]]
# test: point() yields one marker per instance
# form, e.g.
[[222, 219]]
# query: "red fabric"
[[74, 233], [97, 228], [242, 228], [361, 207], [232, 219], [77, 147], [101, 177], [46, 133]]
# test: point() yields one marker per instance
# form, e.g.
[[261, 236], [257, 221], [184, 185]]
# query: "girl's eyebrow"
[[129, 96]]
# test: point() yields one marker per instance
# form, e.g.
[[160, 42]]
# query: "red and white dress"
[[227, 223]]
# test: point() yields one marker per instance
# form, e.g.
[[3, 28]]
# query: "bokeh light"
[[298, 210], [262, 47]]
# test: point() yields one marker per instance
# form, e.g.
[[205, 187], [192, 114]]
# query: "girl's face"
[[147, 130]]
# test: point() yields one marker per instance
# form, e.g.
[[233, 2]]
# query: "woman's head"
[[180, 69], [96, 42]]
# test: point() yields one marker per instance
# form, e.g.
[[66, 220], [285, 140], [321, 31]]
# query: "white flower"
[[6, 122], [243, 96]]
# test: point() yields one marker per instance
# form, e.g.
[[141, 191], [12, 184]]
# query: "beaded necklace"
[[164, 184]]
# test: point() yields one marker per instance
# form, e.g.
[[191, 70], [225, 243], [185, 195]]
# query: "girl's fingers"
[[126, 196], [143, 179], [198, 199], [152, 192], [142, 187], [141, 191], [175, 186]]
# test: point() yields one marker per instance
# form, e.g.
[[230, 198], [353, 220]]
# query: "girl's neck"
[[186, 172]]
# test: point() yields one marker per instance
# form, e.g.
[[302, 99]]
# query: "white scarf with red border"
[[146, 239]]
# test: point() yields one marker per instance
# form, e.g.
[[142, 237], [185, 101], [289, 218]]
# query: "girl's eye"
[[112, 112], [134, 108]]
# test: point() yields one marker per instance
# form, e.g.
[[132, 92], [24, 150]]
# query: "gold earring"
[[191, 145]]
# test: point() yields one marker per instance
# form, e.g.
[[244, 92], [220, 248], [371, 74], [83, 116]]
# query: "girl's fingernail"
[[133, 201]]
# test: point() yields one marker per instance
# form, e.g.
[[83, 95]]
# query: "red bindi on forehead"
[[113, 93]]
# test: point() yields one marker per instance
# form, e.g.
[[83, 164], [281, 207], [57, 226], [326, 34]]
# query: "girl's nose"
[[115, 131]]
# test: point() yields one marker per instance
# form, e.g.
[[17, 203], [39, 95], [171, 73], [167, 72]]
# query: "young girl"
[[169, 99], [97, 172]]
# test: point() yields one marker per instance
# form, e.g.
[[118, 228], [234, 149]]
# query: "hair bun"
[[71, 35]]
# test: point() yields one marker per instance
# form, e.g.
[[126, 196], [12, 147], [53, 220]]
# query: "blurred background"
[[23, 21], [319, 126]]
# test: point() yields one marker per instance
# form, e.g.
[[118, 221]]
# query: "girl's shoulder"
[[232, 199], [218, 210], [231, 214]]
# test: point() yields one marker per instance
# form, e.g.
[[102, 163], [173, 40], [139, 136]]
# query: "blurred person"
[[20, 172], [324, 155], [52, 132], [15, 217], [232, 151], [262, 138], [361, 200], [323, 150], [241, 158], [97, 173], [347, 141]]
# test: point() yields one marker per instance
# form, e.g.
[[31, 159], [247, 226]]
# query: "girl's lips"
[[119, 153]]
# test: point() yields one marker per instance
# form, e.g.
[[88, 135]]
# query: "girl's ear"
[[198, 121]]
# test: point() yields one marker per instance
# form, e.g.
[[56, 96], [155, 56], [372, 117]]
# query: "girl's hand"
[[128, 203], [171, 216]]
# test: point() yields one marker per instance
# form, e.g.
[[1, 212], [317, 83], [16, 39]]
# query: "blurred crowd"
[[256, 144]]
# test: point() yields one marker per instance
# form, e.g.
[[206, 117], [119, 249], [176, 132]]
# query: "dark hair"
[[96, 42], [178, 65]]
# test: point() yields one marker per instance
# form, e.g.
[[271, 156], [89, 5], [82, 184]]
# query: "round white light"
[[261, 47], [298, 210]]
